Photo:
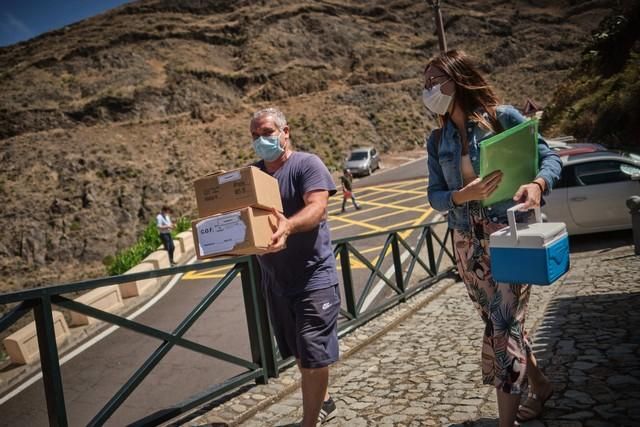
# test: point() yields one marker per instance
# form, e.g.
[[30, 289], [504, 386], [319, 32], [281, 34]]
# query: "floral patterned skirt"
[[502, 306]]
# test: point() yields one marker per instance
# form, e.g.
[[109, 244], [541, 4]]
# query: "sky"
[[24, 19]]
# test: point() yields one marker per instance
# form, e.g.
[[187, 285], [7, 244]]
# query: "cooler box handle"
[[511, 218]]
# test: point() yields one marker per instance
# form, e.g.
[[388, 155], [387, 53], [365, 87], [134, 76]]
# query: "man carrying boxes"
[[277, 209], [299, 274]]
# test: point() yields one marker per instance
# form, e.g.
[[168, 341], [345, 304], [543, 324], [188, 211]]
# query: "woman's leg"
[[505, 347], [538, 382], [540, 389], [507, 408]]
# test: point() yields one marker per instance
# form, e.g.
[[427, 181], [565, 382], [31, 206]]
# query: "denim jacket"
[[445, 175]]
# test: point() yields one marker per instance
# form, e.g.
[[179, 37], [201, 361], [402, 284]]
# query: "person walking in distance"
[[299, 276], [164, 224], [469, 112], [347, 190]]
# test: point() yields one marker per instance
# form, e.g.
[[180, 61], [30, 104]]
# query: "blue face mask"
[[268, 147]]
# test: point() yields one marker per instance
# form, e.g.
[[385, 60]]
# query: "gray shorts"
[[306, 325]]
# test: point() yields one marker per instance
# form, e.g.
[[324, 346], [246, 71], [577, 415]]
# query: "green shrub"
[[182, 224], [147, 243]]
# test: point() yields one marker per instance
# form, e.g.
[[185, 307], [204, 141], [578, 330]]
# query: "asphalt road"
[[389, 199]]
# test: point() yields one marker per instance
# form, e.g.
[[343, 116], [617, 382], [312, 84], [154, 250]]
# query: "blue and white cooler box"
[[536, 253]]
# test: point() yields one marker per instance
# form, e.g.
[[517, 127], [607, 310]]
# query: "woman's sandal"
[[532, 407]]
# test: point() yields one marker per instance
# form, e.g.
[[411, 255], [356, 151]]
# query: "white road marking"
[[381, 284]]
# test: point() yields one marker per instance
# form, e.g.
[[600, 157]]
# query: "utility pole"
[[442, 41]]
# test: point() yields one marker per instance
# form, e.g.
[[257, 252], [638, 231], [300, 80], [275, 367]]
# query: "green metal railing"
[[399, 283], [265, 361]]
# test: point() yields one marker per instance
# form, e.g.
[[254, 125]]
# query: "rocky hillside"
[[600, 100], [103, 121]]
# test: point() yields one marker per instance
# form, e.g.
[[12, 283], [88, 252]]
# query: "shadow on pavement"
[[482, 422], [601, 242], [589, 348]]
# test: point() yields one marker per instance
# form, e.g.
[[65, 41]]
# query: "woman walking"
[[469, 111]]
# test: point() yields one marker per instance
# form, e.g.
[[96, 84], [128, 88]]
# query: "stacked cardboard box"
[[235, 210]]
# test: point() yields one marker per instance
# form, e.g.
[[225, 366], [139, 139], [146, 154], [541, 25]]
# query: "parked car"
[[563, 149], [591, 194], [362, 161], [560, 142]]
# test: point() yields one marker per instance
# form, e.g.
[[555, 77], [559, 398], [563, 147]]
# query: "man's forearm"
[[308, 218]]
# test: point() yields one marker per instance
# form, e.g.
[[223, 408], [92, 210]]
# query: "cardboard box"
[[246, 231], [229, 191]]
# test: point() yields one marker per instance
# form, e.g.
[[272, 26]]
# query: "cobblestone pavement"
[[425, 369]]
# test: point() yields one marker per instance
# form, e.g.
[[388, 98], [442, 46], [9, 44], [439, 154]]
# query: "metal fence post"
[[347, 280], [51, 376], [397, 264], [260, 336], [430, 252]]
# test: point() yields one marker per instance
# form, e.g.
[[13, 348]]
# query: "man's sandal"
[[532, 407]]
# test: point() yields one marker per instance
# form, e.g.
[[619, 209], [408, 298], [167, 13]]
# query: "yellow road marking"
[[396, 191], [215, 273], [398, 207], [391, 187], [353, 222], [403, 235], [400, 183], [388, 214], [405, 199]]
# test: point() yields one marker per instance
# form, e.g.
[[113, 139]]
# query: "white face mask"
[[436, 101]]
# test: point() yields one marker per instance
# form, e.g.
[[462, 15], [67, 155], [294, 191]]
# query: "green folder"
[[515, 153]]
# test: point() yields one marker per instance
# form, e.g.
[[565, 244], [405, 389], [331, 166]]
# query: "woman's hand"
[[529, 194], [478, 189]]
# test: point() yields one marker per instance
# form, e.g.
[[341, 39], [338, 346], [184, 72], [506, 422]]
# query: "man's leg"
[[167, 242], [315, 391], [316, 322], [344, 204], [171, 249], [353, 199]]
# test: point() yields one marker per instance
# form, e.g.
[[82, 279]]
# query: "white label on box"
[[229, 177], [221, 233]]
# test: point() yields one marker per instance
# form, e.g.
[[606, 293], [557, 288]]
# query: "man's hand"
[[279, 237], [529, 194]]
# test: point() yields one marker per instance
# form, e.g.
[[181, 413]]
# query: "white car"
[[362, 161], [592, 192]]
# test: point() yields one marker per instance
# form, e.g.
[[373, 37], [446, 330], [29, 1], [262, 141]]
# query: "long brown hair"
[[472, 93]]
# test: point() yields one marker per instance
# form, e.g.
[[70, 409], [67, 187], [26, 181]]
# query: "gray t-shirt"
[[307, 263]]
